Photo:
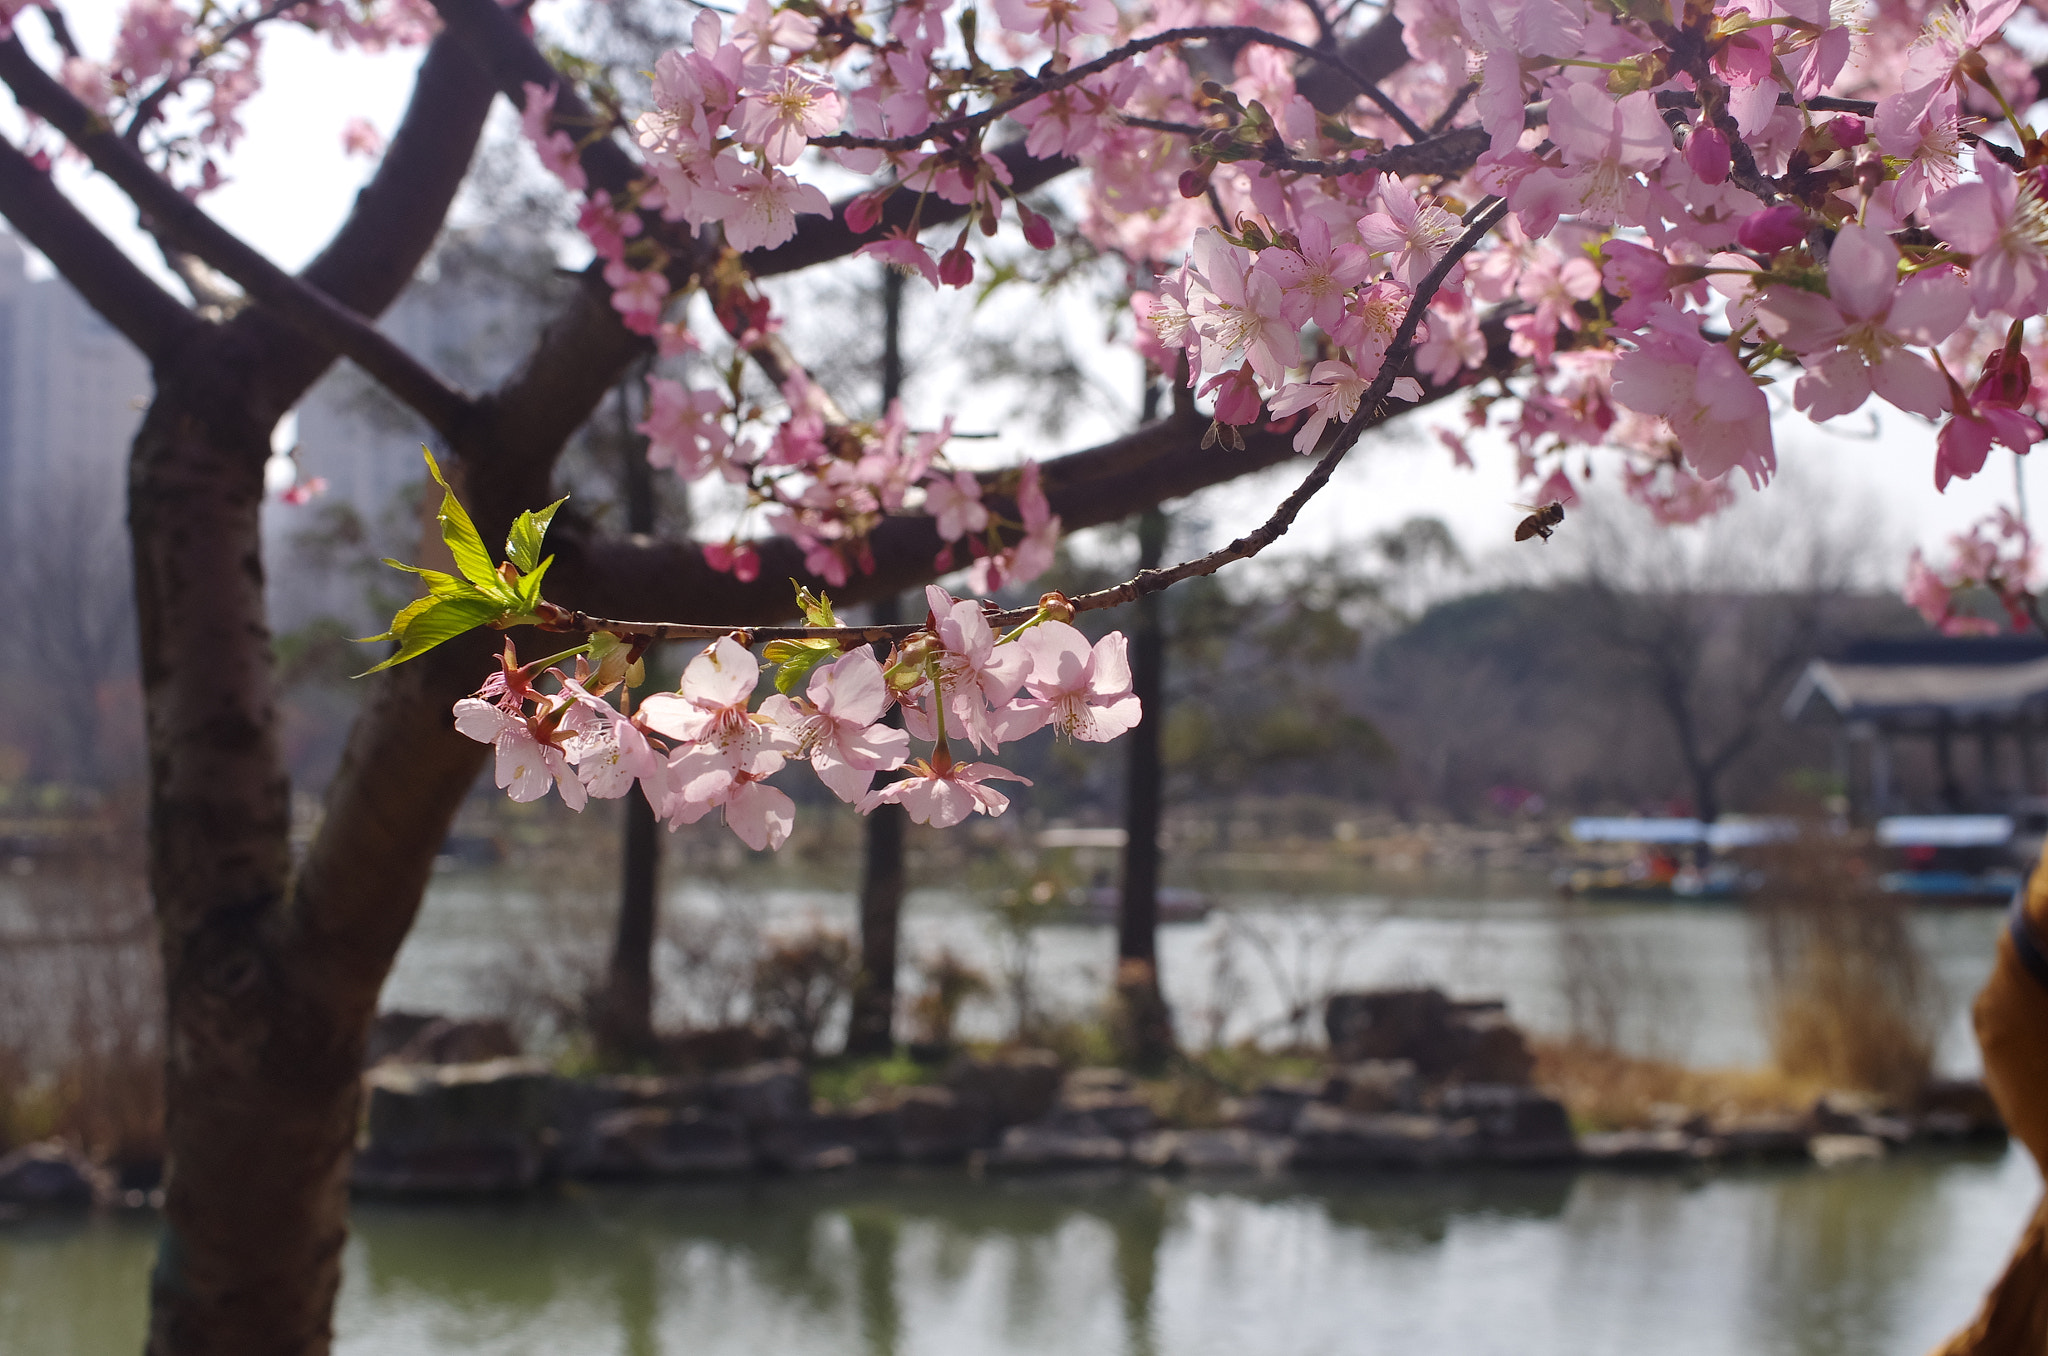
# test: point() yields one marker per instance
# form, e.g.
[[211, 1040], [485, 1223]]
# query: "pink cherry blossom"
[[526, 767], [1332, 392], [1238, 311], [717, 737], [764, 207], [684, 428], [955, 501], [1859, 332], [1714, 409], [901, 251], [783, 111], [557, 149], [974, 673], [1316, 279], [360, 137], [1607, 143], [1057, 21], [943, 796], [2001, 219], [1412, 235], [836, 727], [1083, 692]]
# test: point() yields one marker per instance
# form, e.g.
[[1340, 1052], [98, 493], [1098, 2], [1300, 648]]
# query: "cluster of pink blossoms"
[[704, 747]]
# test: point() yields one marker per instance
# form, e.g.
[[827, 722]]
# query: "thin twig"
[[1482, 219], [1038, 87], [146, 110]]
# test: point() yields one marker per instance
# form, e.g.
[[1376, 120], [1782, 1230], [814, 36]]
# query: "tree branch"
[[111, 283], [184, 225]]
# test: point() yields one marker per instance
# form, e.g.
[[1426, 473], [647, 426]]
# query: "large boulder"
[[1373, 1085], [1330, 1137], [1446, 1041], [1637, 1149], [582, 1145], [455, 1129], [1273, 1108], [657, 1141], [1058, 1141], [839, 1140], [1105, 1100], [1009, 1089], [936, 1125], [776, 1092], [50, 1176], [1212, 1151], [1762, 1135], [1515, 1124], [1959, 1109]]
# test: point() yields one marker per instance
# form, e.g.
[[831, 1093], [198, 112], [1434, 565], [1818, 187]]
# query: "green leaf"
[[816, 607], [429, 621], [528, 587], [522, 547], [438, 584], [464, 542], [797, 658]]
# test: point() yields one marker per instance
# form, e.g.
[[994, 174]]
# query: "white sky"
[[290, 184]]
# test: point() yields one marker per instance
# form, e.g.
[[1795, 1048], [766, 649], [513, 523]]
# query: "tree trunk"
[[871, 1022], [1146, 1025], [623, 1020]]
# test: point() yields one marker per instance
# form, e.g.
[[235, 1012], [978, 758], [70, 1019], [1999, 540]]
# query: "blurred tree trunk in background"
[[871, 1023], [1145, 1026]]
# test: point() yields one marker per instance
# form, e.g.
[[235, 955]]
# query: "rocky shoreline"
[[1414, 1081]]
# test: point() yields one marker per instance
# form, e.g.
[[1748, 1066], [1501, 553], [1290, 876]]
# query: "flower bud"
[[1195, 182], [864, 213], [1706, 151], [1037, 230], [1773, 229], [1056, 607], [956, 267]]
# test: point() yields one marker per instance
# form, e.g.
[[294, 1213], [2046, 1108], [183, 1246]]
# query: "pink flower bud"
[[864, 213], [1194, 183], [1237, 396], [1037, 230], [956, 267], [1846, 131], [1706, 151], [1773, 229]]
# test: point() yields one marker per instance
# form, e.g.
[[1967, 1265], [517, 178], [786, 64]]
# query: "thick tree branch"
[[182, 224], [132, 302]]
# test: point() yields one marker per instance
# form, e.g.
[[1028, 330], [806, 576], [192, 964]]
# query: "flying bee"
[[1540, 522]]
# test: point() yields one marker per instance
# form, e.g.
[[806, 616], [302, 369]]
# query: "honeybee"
[[1540, 522]]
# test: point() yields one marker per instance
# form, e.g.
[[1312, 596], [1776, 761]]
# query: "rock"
[[455, 1128], [1959, 1108], [1637, 1148], [581, 1104], [1057, 1143], [1832, 1151], [1109, 1101], [655, 1141], [777, 1092], [1330, 1137], [1767, 1135], [1011, 1089], [1515, 1124], [1843, 1112], [1212, 1151], [1470, 1042], [1385, 1023], [933, 1125], [830, 1141], [1273, 1108], [1374, 1085], [50, 1176]]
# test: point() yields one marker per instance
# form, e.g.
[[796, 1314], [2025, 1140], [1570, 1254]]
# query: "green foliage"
[[484, 594], [798, 657]]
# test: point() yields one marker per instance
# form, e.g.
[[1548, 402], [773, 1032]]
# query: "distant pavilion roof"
[[1923, 684]]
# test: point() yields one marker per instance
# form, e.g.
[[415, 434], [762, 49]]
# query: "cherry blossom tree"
[[1605, 228]]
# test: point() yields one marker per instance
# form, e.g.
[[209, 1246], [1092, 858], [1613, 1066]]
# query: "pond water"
[[1684, 978], [1875, 1260]]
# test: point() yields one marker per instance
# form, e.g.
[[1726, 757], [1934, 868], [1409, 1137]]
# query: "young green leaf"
[[464, 543], [522, 547], [816, 607], [420, 628], [797, 658]]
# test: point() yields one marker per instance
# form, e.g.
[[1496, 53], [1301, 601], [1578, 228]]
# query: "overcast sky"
[[290, 184]]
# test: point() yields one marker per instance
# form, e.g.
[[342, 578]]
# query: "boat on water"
[[1641, 857], [1952, 859]]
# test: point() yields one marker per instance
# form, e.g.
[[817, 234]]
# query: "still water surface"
[[1683, 977], [1877, 1260]]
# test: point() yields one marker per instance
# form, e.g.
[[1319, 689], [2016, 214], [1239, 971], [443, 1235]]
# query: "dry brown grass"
[[1607, 1090], [1849, 998], [81, 1029]]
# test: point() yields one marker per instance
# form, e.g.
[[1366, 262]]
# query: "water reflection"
[[1873, 1261]]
